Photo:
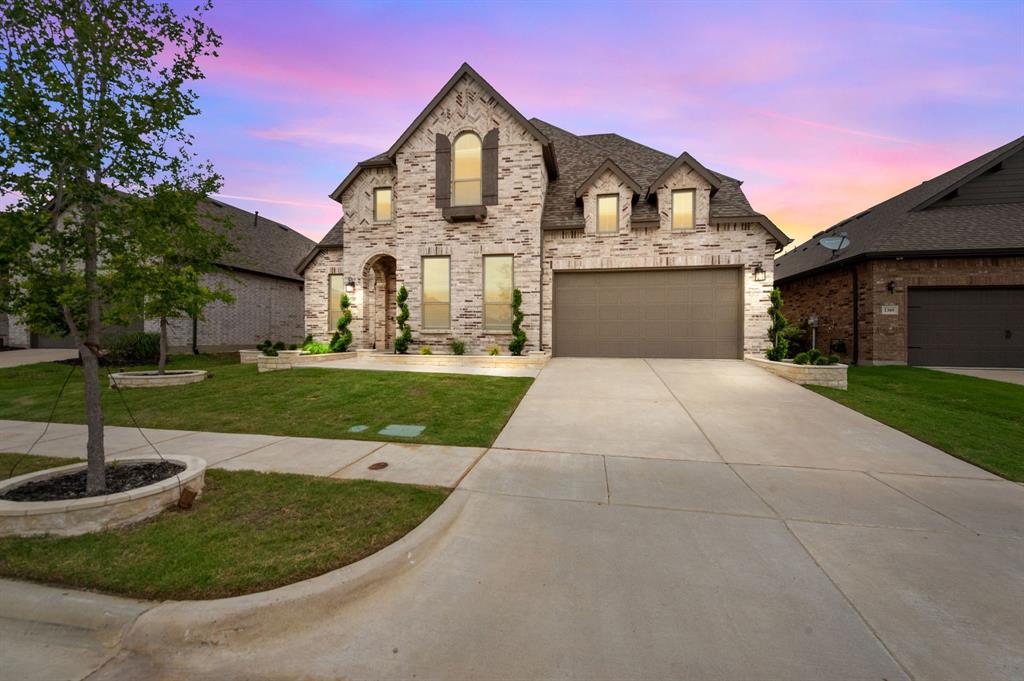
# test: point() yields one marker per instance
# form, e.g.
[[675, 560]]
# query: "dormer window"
[[382, 204], [684, 207], [467, 170], [608, 214]]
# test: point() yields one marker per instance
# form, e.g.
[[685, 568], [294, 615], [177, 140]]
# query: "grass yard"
[[973, 419], [456, 409], [247, 532]]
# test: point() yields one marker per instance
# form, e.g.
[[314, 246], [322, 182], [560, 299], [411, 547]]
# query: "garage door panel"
[[966, 327], [651, 313]]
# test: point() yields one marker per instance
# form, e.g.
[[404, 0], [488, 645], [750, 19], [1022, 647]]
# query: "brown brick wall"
[[883, 338]]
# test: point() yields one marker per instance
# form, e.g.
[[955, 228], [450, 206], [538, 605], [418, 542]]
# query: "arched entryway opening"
[[379, 290]]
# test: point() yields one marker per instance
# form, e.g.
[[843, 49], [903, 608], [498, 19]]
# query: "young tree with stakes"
[[93, 94]]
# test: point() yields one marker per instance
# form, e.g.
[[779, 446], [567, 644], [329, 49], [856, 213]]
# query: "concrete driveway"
[[17, 358], [675, 519]]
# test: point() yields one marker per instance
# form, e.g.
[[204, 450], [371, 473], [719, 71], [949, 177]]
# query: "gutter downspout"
[[856, 316], [195, 333]]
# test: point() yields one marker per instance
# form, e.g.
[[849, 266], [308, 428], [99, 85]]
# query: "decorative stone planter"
[[92, 514], [287, 360], [249, 356], [151, 379], [828, 375]]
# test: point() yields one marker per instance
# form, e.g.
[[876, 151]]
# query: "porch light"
[[350, 285], [759, 273]]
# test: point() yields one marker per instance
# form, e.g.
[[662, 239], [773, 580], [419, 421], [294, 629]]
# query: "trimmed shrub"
[[802, 358], [307, 340], [776, 330], [821, 361], [270, 352], [134, 346], [404, 336], [425, 350], [342, 338], [457, 347], [518, 335], [279, 345], [264, 345], [315, 348], [813, 354], [293, 346], [493, 351], [833, 359]]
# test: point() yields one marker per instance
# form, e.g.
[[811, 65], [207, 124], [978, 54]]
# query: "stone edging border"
[[78, 516], [241, 620], [828, 375], [146, 379]]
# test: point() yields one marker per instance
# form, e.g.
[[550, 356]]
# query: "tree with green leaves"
[[518, 335], [342, 337], [404, 337], [178, 243], [777, 329], [93, 96]]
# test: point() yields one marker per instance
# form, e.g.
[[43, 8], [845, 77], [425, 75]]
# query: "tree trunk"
[[162, 366], [96, 479]]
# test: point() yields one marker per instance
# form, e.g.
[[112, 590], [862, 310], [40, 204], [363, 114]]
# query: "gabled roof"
[[388, 157], [607, 165], [687, 160], [915, 222]]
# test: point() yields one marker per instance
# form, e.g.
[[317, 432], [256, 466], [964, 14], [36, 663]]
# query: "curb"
[[244, 619]]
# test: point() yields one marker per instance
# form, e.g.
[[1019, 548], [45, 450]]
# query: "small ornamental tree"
[[342, 336], [518, 335], [777, 329], [404, 337]]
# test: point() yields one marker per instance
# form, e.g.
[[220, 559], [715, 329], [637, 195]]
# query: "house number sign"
[[890, 309]]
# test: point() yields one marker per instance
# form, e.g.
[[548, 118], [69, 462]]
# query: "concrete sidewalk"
[[17, 358], [435, 465]]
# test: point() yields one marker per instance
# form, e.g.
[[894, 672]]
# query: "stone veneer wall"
[[264, 307], [417, 229], [883, 338]]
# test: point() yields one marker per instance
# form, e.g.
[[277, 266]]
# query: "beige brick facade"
[[512, 227]]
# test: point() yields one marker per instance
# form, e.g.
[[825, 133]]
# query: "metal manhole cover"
[[379, 465]]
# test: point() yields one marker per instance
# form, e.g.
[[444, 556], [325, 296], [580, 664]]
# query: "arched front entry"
[[379, 291]]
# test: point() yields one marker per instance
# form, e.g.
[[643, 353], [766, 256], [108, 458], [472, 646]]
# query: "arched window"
[[467, 170]]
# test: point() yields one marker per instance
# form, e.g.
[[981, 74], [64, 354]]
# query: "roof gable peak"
[[681, 160], [608, 165]]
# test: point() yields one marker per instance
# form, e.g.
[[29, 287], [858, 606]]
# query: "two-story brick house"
[[618, 249]]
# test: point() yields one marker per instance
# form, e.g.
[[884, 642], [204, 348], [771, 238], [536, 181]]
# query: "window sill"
[[434, 332], [464, 213]]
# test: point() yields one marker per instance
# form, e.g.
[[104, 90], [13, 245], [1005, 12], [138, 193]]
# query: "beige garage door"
[[688, 313]]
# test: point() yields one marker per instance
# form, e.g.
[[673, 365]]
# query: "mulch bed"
[[121, 477]]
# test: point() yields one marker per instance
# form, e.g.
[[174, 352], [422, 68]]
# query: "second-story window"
[[684, 206], [467, 170], [382, 204], [607, 214]]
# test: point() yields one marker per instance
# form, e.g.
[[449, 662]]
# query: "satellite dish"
[[835, 243]]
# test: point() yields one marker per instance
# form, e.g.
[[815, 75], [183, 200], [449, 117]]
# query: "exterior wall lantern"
[[891, 287], [350, 285], [759, 273]]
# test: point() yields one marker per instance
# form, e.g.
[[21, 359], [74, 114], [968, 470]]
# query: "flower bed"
[[828, 375], [69, 517]]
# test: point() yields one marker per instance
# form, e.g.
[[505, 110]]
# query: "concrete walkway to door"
[[674, 519]]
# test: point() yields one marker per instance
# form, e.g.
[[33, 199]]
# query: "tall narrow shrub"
[[342, 336], [776, 330], [518, 335], [404, 336]]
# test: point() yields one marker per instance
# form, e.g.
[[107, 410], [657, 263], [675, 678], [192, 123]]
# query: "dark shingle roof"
[[579, 155], [905, 225], [263, 245]]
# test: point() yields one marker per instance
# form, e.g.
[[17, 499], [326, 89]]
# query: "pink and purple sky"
[[822, 108]]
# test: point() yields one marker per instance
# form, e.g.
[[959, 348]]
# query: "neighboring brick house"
[[260, 274], [938, 272], [618, 249]]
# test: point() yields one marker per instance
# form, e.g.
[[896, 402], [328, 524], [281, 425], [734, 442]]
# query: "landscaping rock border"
[[79, 516], [827, 375], [151, 379]]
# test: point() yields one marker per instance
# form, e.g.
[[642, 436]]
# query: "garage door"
[[967, 327], [693, 313]]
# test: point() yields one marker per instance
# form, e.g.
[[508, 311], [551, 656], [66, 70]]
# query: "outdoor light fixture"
[[350, 285], [759, 273], [891, 287]]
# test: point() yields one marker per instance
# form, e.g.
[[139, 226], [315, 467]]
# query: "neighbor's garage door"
[[968, 327], [693, 313]]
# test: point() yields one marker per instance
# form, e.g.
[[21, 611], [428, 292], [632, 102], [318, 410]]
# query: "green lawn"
[[247, 532], [456, 409], [974, 419]]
